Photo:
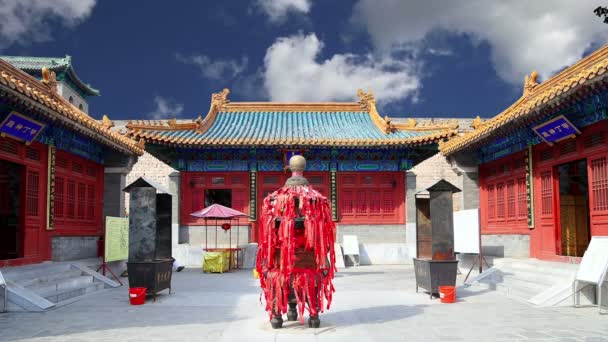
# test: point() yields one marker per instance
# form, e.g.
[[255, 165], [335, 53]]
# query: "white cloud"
[[277, 10], [165, 109], [218, 69], [524, 35], [22, 21], [293, 73]]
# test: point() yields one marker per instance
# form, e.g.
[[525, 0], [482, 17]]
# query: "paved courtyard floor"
[[372, 303]]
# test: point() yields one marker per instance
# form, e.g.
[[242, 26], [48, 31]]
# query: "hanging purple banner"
[[556, 129], [21, 127]]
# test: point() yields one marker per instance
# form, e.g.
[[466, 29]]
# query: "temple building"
[[60, 170], [542, 165], [69, 85], [237, 154]]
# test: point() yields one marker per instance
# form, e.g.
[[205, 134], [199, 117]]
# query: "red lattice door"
[[544, 238]]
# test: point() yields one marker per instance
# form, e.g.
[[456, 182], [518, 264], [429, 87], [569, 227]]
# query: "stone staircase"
[[51, 284], [529, 280]]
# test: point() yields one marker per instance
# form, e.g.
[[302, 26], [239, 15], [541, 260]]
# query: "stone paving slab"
[[372, 303]]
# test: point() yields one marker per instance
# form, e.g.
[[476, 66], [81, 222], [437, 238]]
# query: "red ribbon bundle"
[[312, 287]]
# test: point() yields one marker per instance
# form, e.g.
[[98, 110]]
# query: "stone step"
[[24, 273], [52, 277], [68, 293], [544, 267], [521, 294], [73, 282], [524, 283], [534, 277]]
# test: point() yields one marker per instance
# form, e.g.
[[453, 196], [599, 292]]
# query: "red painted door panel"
[[544, 237]]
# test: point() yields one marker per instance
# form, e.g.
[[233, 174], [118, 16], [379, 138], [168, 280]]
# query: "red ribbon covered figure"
[[296, 259]]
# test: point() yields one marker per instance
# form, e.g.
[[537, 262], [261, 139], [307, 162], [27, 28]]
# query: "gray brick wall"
[[433, 169], [152, 168]]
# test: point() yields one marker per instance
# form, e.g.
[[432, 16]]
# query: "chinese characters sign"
[[556, 129], [21, 127], [117, 239]]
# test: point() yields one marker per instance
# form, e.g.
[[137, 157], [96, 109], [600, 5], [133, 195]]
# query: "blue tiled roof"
[[280, 128]]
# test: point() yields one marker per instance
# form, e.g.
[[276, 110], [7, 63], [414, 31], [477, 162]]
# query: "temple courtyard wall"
[[378, 243]]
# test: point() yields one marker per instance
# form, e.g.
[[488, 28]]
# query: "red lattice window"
[[375, 203], [271, 180], [81, 199], [59, 196], [32, 154], [33, 186], [546, 193], [91, 172], [90, 202], [347, 202], [361, 203], [78, 186], [511, 213], [389, 203], [61, 162], [9, 146], [197, 182], [370, 197], [491, 202], [198, 200], [77, 167], [349, 180], [599, 184], [71, 200], [522, 198], [500, 201]]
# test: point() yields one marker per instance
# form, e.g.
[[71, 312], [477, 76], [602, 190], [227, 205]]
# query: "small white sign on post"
[[466, 231], [351, 247], [592, 269]]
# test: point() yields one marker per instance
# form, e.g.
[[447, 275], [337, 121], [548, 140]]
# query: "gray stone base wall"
[[373, 233], [199, 235], [508, 246], [66, 248]]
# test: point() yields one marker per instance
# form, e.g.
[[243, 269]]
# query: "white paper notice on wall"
[[595, 260], [350, 244], [466, 231]]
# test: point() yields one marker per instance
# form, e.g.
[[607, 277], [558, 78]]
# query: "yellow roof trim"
[[534, 96], [45, 93]]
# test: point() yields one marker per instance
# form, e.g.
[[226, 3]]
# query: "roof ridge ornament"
[[49, 78], [366, 100], [476, 123], [106, 122], [220, 99], [530, 82]]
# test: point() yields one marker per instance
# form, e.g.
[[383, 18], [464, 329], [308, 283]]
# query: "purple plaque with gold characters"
[[21, 127], [556, 130]]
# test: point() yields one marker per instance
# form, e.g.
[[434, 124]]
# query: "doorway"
[[424, 241], [12, 187], [575, 232]]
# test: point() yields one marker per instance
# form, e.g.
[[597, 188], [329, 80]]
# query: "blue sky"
[[435, 58]]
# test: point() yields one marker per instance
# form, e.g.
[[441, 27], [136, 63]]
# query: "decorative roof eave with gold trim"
[[44, 93], [535, 96]]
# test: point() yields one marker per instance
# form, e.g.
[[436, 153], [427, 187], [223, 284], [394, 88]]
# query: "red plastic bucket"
[[447, 294], [137, 295]]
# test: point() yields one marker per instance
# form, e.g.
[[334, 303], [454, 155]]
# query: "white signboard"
[[466, 231], [594, 261], [339, 256], [351, 245]]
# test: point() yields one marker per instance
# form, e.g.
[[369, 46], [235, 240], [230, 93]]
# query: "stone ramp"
[[48, 285]]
